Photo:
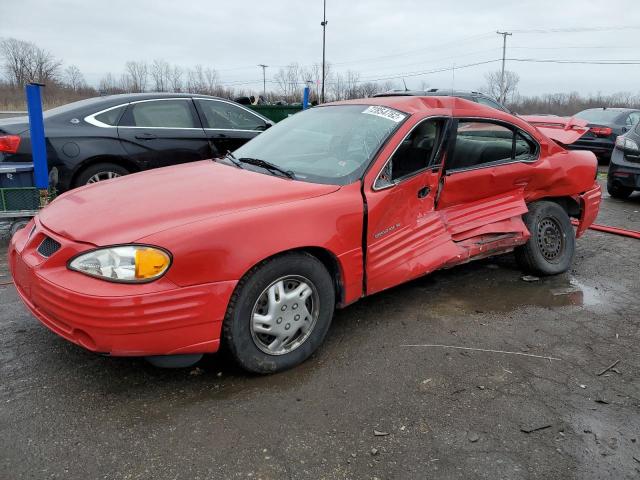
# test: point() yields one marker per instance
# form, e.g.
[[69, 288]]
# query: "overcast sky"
[[378, 38]]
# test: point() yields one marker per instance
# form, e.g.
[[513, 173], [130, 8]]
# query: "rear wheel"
[[551, 247], [618, 191], [99, 172], [280, 313]]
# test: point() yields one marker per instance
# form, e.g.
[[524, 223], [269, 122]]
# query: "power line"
[[578, 29], [578, 62]]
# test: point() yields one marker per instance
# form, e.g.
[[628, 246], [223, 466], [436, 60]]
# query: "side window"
[[160, 114], [413, 154], [110, 117], [633, 118], [228, 116], [480, 143]]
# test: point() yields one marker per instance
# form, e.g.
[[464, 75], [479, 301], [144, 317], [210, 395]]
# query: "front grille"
[[48, 247]]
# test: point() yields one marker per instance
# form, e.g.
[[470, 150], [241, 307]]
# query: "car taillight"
[[9, 143], [601, 131]]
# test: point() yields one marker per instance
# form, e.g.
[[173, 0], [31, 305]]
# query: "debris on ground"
[[530, 278], [473, 437], [374, 451], [610, 367], [378, 433], [535, 429]]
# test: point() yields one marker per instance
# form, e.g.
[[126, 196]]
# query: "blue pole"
[[38, 143], [305, 98]]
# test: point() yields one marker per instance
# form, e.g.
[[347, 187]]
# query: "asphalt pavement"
[[510, 381]]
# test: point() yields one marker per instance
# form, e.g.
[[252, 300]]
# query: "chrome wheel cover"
[[100, 176], [284, 315]]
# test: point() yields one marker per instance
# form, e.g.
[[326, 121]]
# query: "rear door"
[[162, 132], [228, 126], [405, 237], [488, 166]]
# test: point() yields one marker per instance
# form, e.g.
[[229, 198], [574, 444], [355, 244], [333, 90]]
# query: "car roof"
[[432, 92], [443, 105], [106, 101], [613, 109]]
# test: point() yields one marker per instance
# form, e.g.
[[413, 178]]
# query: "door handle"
[[423, 192], [146, 136]]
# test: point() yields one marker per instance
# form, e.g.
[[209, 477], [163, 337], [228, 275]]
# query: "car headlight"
[[125, 263]]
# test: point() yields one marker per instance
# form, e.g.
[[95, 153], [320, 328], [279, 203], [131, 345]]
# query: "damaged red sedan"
[[257, 249]]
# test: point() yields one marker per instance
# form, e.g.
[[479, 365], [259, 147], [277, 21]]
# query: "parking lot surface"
[[366, 405]]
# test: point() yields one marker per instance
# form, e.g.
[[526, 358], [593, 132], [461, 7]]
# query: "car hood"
[[132, 207]]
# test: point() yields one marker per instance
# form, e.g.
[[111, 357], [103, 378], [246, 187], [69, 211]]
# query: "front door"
[[228, 126], [162, 132], [405, 237]]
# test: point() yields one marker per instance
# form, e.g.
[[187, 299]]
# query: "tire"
[[93, 173], [16, 226], [270, 292], [550, 249], [618, 191]]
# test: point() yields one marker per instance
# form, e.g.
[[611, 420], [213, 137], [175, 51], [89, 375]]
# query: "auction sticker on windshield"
[[385, 112]]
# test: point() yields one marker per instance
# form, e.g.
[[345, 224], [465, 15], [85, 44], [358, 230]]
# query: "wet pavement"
[[366, 405]]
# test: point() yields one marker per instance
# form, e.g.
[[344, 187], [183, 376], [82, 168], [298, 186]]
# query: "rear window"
[[598, 115], [111, 117], [160, 114]]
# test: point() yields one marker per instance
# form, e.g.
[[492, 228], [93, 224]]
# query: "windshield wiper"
[[232, 158], [258, 162]]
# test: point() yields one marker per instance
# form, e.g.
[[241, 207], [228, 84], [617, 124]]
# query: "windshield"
[[332, 144], [598, 115]]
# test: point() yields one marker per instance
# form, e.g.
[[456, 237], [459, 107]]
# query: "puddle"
[[479, 295]]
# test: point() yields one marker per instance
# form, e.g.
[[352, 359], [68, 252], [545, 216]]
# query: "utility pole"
[[324, 30], [264, 81], [504, 55]]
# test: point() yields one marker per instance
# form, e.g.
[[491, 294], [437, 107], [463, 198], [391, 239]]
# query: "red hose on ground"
[[615, 230]]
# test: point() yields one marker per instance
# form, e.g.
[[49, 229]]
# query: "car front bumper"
[[157, 318], [624, 172]]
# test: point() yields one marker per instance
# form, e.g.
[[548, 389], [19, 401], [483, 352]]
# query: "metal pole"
[[264, 81], [324, 30], [38, 141], [504, 55]]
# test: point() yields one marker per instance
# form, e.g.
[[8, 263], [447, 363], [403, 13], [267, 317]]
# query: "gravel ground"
[[366, 405]]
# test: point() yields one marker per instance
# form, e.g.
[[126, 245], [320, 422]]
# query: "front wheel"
[[279, 313], [551, 247]]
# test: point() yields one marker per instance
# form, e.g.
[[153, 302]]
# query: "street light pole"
[[264, 81], [504, 55], [324, 30]]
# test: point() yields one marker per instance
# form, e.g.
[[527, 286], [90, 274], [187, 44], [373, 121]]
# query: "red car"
[[257, 249]]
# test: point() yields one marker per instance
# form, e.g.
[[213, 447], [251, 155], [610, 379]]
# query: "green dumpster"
[[276, 112]]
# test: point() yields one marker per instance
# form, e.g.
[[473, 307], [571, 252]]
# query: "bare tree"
[[288, 81], [494, 86], [175, 79], [108, 84], [74, 79], [25, 62], [137, 74], [161, 73], [368, 89]]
